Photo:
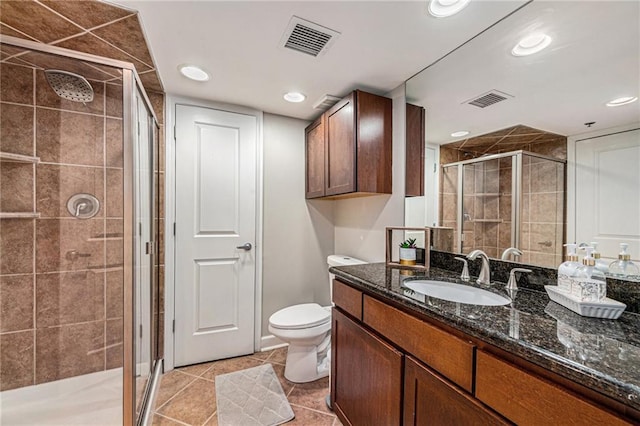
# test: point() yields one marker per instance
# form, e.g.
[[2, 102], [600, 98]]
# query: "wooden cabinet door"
[[340, 154], [315, 151], [431, 400], [414, 164], [366, 375]]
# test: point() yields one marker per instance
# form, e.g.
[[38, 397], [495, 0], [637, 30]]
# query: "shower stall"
[[79, 297], [515, 199]]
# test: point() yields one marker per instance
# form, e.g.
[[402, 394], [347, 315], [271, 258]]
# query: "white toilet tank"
[[340, 260]]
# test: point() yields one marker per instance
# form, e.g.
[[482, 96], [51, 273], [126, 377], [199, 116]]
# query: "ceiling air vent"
[[489, 98], [326, 102], [307, 37]]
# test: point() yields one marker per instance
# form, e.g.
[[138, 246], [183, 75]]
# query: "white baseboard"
[[270, 342]]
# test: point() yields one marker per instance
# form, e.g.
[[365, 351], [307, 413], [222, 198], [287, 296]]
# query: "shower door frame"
[[130, 80]]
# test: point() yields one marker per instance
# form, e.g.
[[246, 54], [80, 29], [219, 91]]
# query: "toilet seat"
[[296, 317]]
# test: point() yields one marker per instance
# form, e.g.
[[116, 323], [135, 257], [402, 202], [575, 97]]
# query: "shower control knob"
[[245, 246]]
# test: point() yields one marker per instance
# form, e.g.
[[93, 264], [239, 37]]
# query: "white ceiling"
[[594, 58], [382, 44]]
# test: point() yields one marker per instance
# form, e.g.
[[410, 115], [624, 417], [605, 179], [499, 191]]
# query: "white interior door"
[[216, 166], [607, 196]]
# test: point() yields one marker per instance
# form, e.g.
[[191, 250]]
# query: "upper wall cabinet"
[[348, 148], [414, 157]]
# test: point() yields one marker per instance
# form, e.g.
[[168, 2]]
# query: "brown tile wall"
[[487, 203], [61, 281], [542, 215]]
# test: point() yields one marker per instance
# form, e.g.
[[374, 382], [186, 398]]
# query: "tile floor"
[[187, 395]]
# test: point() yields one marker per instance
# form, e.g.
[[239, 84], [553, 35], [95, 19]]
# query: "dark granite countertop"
[[603, 355]]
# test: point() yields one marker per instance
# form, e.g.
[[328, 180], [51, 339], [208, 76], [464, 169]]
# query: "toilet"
[[307, 330]]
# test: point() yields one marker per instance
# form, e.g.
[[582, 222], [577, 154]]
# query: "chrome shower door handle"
[[245, 246]]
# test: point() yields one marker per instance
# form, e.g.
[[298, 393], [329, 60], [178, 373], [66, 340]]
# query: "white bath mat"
[[251, 397]]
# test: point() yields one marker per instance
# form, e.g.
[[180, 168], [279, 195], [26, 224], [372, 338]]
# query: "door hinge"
[[174, 132], [140, 331], [173, 327], [140, 228], [174, 229], [434, 167]]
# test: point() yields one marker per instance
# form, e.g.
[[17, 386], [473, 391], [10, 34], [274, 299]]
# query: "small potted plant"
[[408, 252]]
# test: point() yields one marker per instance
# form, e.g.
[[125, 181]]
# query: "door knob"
[[245, 246]]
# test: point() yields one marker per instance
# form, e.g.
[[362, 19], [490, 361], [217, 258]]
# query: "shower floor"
[[91, 399]]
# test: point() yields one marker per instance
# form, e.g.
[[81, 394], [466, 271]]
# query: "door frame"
[[571, 171], [170, 214]]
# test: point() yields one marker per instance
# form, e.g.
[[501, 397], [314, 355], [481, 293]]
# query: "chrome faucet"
[[512, 284], [485, 272], [510, 251]]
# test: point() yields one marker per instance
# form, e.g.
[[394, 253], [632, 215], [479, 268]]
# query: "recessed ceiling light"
[[193, 72], [444, 8], [459, 134], [531, 44], [294, 97], [622, 101]]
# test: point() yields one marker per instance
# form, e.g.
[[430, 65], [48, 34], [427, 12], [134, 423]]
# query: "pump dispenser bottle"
[[601, 265], [624, 267], [568, 268], [589, 284]]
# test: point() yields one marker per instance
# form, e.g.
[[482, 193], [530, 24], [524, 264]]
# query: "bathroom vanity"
[[400, 357]]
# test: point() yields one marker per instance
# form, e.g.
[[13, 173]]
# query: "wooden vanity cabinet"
[[429, 399], [391, 367], [349, 148], [366, 384]]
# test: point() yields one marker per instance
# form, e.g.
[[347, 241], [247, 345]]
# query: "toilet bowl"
[[307, 330]]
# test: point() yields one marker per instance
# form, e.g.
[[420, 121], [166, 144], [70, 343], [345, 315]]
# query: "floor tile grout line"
[[176, 394], [312, 409], [210, 417], [171, 418]]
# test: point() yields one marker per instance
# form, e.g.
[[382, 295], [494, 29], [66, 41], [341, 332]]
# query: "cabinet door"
[[315, 147], [431, 400], [366, 375], [414, 164], [340, 167]]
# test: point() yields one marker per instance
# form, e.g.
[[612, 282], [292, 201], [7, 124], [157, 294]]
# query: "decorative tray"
[[607, 308]]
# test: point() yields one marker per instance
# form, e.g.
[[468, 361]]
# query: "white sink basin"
[[456, 293]]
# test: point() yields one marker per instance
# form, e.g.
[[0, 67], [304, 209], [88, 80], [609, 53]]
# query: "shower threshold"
[[90, 399]]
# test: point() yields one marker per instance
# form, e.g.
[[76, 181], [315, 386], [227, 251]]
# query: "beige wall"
[[298, 234], [360, 222]]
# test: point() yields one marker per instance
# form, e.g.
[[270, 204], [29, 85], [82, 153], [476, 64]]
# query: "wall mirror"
[[529, 149]]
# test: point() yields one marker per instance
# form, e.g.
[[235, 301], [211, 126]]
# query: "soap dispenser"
[[623, 267], [601, 265], [589, 284], [568, 268]]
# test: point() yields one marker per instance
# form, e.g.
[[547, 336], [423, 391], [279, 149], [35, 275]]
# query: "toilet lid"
[[300, 316]]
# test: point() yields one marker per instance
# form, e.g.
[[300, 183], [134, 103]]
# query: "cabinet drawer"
[[450, 356], [527, 400], [348, 299]]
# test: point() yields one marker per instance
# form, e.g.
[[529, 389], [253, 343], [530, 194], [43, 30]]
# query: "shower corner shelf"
[[487, 220], [19, 215], [18, 158], [486, 194]]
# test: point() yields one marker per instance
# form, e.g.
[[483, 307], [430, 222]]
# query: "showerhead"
[[70, 86]]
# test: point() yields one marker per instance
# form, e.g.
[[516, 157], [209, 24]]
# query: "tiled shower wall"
[[542, 220], [487, 200], [61, 278]]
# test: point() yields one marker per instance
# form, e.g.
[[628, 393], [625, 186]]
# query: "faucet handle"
[[465, 269], [512, 284]]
